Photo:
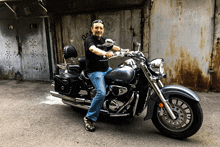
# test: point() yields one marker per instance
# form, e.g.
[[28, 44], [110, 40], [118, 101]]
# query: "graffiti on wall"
[[33, 43], [87, 35]]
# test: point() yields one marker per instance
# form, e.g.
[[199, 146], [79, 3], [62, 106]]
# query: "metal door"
[[34, 56], [23, 50], [10, 60]]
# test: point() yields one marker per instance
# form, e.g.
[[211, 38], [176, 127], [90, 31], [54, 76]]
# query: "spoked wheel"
[[188, 120]]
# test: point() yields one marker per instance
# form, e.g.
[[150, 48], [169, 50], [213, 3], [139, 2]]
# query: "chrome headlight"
[[157, 66]]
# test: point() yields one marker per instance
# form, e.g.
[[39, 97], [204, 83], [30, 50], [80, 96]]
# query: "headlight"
[[157, 66]]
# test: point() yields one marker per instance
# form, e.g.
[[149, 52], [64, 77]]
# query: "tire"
[[189, 118]]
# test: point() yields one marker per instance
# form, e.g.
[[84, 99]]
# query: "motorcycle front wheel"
[[189, 118]]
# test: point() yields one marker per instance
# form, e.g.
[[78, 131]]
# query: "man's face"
[[97, 29]]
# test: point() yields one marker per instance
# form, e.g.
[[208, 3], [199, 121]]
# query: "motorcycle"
[[132, 87]]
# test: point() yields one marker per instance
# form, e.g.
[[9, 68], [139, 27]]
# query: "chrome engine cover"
[[118, 90], [112, 105]]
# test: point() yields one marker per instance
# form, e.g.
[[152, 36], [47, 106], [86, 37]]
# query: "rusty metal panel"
[[215, 61], [35, 65], [10, 60], [182, 34]]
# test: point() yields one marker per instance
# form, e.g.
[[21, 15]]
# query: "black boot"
[[89, 124]]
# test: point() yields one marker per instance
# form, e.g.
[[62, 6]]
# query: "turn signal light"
[[161, 105]]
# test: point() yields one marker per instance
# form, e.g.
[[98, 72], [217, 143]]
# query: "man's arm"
[[100, 52], [97, 51], [116, 48]]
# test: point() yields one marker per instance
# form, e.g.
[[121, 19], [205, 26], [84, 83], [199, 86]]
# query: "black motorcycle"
[[132, 87]]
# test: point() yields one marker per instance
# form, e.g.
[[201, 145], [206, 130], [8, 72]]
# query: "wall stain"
[[215, 77], [202, 41], [186, 72]]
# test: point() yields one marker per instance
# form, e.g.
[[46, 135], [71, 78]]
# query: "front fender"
[[167, 92], [179, 90]]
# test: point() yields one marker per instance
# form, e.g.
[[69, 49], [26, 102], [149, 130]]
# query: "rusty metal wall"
[[215, 60], [123, 26], [181, 32]]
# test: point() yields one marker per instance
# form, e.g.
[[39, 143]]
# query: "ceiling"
[[26, 8]]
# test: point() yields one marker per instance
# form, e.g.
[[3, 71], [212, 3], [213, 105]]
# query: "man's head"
[[97, 28]]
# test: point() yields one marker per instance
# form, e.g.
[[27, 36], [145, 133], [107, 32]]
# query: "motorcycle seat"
[[82, 62]]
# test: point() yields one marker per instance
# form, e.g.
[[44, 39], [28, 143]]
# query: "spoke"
[[185, 118], [182, 104], [186, 108], [176, 101], [189, 115]]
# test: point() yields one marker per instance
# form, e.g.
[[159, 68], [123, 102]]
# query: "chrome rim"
[[183, 113]]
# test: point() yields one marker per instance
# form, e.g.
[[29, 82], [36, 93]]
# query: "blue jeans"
[[98, 81]]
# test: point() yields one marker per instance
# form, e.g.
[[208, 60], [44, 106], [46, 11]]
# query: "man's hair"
[[97, 21]]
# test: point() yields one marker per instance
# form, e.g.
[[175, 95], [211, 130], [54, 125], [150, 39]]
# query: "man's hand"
[[109, 54]]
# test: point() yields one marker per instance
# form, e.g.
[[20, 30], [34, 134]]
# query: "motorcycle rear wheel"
[[189, 118]]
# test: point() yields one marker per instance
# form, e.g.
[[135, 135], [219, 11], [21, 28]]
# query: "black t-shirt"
[[93, 61]]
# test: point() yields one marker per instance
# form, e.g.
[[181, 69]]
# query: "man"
[[97, 67]]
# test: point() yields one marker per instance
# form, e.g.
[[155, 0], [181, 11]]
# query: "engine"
[[117, 90], [116, 97]]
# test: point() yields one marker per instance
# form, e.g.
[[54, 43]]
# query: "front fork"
[[156, 88]]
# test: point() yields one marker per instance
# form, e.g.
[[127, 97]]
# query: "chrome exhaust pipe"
[[86, 107], [75, 102], [72, 99], [81, 106]]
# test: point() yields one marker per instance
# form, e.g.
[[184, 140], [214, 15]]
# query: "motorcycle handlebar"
[[123, 53]]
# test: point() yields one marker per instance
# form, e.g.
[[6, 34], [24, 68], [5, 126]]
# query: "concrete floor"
[[30, 117]]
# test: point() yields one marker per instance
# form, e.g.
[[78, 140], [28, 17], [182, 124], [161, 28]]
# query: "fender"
[[167, 91]]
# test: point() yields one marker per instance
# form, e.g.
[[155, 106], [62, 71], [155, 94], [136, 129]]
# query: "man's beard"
[[97, 36]]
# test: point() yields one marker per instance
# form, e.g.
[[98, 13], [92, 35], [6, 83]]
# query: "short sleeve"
[[109, 48], [88, 43]]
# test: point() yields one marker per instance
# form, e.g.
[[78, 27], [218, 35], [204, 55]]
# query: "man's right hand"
[[109, 54]]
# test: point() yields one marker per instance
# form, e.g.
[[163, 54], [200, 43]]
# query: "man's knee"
[[101, 94]]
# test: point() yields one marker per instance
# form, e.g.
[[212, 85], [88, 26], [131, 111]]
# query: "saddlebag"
[[66, 84]]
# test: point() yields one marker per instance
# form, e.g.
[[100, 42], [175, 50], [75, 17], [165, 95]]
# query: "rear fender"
[[167, 92]]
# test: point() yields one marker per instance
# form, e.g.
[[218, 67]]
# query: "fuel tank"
[[123, 74]]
